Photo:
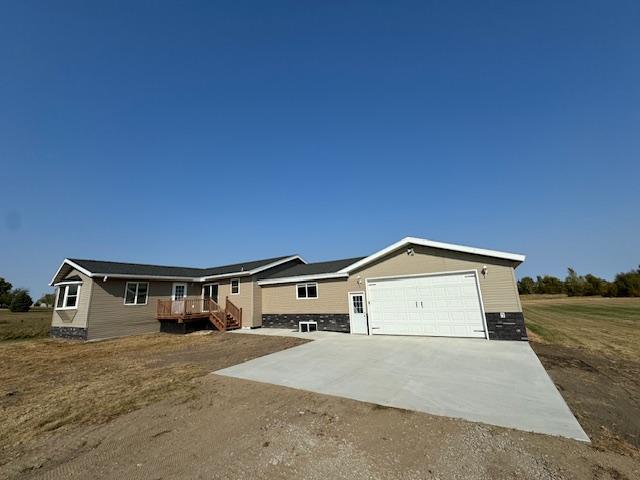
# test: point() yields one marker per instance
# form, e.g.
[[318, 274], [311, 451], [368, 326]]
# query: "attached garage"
[[412, 287], [443, 304]]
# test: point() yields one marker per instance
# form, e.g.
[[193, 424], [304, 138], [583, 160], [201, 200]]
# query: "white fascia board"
[[146, 277], [275, 264], [222, 276], [430, 243], [71, 264], [302, 278], [68, 283]]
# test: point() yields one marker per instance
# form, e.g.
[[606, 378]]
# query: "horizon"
[[218, 132]]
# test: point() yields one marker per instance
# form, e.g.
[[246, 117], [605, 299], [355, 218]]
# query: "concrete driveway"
[[496, 382]]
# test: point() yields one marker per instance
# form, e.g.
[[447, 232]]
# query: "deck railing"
[[184, 306], [188, 306], [194, 307]]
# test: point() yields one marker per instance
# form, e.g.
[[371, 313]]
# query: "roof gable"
[[407, 241], [332, 266]]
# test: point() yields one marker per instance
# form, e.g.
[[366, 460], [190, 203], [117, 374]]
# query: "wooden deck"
[[190, 309]]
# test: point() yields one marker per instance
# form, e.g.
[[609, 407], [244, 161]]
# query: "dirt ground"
[[177, 422], [52, 386], [603, 393]]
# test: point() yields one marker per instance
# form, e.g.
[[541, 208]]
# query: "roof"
[[141, 270], [301, 271], [136, 269], [332, 266], [516, 257]]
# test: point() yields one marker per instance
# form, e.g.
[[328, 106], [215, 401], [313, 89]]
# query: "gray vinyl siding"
[[75, 317], [110, 317]]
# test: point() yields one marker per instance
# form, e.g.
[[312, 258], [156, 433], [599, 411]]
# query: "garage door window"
[[306, 290]]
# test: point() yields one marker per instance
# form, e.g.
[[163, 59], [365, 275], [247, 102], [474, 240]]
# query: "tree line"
[[626, 284], [18, 299]]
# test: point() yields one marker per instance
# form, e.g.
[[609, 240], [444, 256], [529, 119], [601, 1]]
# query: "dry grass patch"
[[610, 326], [47, 385], [19, 325]]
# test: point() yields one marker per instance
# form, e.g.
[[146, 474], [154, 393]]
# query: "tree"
[[47, 299], [526, 286], [628, 284], [5, 293], [574, 284], [549, 284], [595, 285], [21, 301]]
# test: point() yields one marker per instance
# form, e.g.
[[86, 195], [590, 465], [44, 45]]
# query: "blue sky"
[[204, 133]]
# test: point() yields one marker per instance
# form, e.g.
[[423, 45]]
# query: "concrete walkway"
[[495, 382]]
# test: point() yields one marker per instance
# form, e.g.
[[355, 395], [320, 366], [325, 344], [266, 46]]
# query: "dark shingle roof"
[[242, 267], [313, 268], [140, 269]]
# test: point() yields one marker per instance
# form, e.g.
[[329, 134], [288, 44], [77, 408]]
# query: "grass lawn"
[[605, 325], [32, 324]]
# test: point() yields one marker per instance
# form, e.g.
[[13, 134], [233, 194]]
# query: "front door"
[[178, 292], [358, 313], [209, 292]]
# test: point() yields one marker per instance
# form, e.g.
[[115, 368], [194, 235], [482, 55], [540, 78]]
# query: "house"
[[412, 287]]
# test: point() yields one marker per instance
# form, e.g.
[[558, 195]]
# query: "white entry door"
[[358, 313], [445, 304], [178, 292]]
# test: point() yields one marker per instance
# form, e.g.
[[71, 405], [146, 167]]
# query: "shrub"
[[21, 301]]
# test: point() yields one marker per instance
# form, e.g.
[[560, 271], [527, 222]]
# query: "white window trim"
[[306, 284], [66, 296], [135, 298], [231, 286]]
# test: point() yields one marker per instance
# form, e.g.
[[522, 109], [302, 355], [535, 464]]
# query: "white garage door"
[[440, 305]]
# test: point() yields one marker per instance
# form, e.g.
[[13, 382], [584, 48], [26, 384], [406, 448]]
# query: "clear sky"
[[204, 133]]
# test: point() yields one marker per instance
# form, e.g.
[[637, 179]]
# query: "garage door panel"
[[439, 305]]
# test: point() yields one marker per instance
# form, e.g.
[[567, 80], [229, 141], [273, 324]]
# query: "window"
[[68, 296], [357, 304], [235, 286], [135, 293], [307, 290]]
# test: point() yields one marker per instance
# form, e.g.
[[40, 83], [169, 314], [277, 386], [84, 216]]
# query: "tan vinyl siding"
[[332, 298], [243, 300], [499, 289], [75, 317], [257, 306]]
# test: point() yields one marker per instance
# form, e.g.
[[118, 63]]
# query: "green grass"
[[32, 324], [605, 325]]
